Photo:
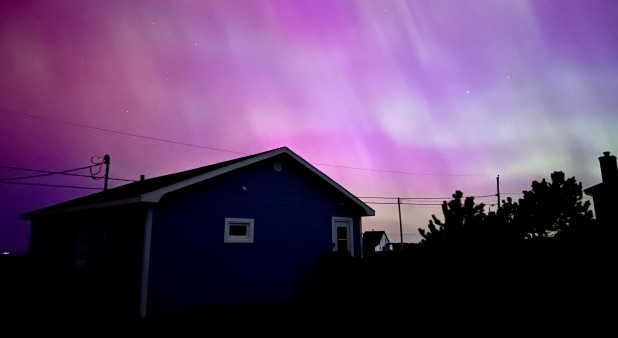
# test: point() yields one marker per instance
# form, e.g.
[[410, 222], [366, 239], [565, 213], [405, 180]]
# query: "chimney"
[[609, 169]]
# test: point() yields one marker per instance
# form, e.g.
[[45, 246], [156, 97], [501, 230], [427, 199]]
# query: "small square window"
[[238, 230]]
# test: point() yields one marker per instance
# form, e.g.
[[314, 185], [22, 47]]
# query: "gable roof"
[[593, 190], [373, 238], [153, 189]]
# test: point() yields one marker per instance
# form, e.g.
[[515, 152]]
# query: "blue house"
[[241, 231]]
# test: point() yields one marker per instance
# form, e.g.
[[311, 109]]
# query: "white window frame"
[[248, 238], [350, 229]]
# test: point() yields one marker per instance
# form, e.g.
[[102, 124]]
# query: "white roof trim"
[[156, 195], [368, 210]]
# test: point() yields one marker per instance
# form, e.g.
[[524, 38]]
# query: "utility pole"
[[498, 191], [400, 226], [106, 162]]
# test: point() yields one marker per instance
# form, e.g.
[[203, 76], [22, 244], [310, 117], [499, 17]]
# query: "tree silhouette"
[[550, 208], [527, 252], [464, 222]]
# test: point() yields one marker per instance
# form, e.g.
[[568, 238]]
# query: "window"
[[82, 245], [238, 230], [342, 238], [342, 235]]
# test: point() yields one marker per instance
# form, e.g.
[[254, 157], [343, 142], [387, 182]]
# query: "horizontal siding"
[[292, 212], [108, 279]]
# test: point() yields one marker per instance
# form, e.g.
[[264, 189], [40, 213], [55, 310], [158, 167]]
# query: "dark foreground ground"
[[498, 318], [568, 293]]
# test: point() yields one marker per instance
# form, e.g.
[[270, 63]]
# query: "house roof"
[[590, 191], [373, 238], [153, 189]]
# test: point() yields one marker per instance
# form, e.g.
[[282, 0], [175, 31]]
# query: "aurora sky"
[[410, 99]]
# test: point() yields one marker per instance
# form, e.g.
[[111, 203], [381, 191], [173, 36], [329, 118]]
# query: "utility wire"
[[412, 234], [69, 172], [398, 172], [43, 171], [65, 172], [50, 185], [421, 204], [122, 132], [409, 198], [395, 203], [46, 173], [121, 179], [425, 198], [220, 149]]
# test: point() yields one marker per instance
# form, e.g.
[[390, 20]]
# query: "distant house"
[[375, 241], [605, 194], [241, 231]]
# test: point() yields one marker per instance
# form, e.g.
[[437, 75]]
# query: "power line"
[[224, 150], [41, 171], [50, 185], [423, 198], [45, 173], [398, 172], [409, 198], [421, 204], [391, 233], [64, 172], [121, 179], [394, 203], [123, 133], [481, 196], [69, 173]]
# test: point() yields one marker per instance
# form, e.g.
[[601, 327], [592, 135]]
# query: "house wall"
[[91, 259], [383, 246], [605, 201], [604, 194], [190, 265]]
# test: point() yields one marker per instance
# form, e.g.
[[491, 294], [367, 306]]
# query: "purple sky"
[[421, 97]]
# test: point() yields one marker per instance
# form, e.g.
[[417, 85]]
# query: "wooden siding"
[[292, 211], [108, 276]]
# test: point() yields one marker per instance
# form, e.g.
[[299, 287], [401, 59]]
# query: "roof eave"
[[368, 210], [47, 212], [593, 189], [156, 195]]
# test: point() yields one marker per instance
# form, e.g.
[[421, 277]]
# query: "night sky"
[[410, 99]]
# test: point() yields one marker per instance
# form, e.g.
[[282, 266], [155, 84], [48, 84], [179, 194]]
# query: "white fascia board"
[[156, 195], [368, 210]]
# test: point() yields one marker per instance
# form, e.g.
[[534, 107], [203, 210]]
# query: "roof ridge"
[[153, 189]]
